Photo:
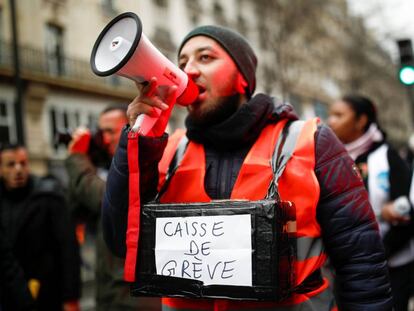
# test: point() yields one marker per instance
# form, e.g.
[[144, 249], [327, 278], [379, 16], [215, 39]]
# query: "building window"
[[54, 49], [108, 7], [2, 44], [63, 121], [218, 14], [1, 24], [7, 122], [320, 109], [194, 10], [161, 3], [270, 78], [242, 25], [162, 39], [263, 36], [93, 120], [296, 102], [114, 80]]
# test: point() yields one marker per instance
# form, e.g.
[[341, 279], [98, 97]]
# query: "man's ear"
[[241, 84]]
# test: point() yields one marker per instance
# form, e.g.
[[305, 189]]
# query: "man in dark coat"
[[39, 231]]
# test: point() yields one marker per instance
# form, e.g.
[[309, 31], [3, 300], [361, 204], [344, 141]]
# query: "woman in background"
[[387, 178]]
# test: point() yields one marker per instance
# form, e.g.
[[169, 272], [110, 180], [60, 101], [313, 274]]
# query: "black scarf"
[[240, 130]]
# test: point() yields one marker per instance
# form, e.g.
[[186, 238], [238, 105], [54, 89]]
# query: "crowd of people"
[[346, 187]]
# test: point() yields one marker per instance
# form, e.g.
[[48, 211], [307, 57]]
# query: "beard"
[[224, 108]]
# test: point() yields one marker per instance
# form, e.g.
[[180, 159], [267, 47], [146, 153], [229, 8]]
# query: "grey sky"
[[388, 19]]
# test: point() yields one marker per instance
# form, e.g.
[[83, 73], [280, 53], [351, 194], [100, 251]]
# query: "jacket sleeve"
[[85, 186], [115, 202], [13, 284], [349, 229]]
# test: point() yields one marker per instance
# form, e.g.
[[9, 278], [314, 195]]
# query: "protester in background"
[[89, 159], [38, 228], [387, 178], [232, 136], [87, 179]]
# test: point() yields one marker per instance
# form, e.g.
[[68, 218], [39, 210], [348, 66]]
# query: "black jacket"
[[399, 182], [12, 280], [44, 245], [349, 230]]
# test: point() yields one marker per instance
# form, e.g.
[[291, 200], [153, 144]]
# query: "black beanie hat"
[[235, 45]]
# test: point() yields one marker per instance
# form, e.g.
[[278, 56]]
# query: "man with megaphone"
[[228, 153]]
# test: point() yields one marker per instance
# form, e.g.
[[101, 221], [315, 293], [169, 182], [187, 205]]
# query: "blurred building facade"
[[310, 52]]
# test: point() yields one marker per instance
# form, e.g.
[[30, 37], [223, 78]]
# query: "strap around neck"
[[283, 151]]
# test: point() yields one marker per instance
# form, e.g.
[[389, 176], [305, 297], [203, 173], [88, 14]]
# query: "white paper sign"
[[212, 249]]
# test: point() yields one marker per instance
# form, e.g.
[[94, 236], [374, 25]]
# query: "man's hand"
[[156, 102], [389, 214], [81, 138]]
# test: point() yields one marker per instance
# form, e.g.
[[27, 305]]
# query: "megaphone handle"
[[144, 123]]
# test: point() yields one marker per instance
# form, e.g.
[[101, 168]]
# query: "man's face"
[[111, 124], [219, 81], [14, 168]]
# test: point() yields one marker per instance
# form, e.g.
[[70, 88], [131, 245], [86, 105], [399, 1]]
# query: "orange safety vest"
[[298, 184]]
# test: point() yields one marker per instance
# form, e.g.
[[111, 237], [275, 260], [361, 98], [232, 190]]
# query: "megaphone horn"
[[123, 49]]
